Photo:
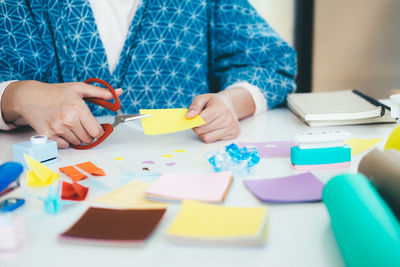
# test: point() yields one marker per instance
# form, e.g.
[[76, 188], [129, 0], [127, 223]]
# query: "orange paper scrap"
[[89, 167], [73, 191], [73, 173]]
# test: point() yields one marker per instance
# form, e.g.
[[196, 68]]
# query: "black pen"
[[373, 101]]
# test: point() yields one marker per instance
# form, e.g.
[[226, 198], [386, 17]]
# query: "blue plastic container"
[[327, 155], [39, 147]]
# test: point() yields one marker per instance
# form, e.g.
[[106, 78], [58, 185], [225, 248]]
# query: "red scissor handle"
[[108, 129], [101, 102]]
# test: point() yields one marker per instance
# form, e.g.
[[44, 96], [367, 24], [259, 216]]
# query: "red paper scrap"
[[73, 191]]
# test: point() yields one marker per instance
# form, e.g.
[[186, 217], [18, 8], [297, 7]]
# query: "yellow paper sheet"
[[38, 174], [198, 220], [393, 141], [118, 158], [130, 196], [165, 121], [360, 145]]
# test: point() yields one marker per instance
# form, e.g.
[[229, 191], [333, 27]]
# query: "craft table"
[[298, 234]]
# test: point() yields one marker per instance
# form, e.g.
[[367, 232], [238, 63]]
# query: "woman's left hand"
[[219, 111]]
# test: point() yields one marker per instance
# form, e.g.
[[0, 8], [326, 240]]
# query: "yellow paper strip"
[[167, 156], [130, 196], [360, 145], [165, 121], [179, 151]]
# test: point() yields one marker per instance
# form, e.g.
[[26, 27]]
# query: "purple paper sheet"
[[303, 187], [271, 149]]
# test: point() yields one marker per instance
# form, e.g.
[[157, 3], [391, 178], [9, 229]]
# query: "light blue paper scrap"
[[53, 203]]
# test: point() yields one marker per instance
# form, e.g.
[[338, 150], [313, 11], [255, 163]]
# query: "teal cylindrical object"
[[365, 228]]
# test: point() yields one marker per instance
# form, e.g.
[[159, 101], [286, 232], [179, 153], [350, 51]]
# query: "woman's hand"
[[55, 110], [221, 113]]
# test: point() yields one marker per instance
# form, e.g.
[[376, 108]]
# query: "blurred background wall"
[[279, 14], [355, 43]]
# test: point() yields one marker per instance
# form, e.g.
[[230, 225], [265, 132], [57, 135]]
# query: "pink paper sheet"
[[209, 187]]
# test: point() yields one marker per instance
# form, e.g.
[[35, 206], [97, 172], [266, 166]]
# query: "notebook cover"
[[335, 108]]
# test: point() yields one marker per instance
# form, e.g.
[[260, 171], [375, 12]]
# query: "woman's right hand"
[[55, 110]]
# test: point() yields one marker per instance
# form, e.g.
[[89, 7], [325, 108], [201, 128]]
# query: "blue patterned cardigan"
[[175, 50]]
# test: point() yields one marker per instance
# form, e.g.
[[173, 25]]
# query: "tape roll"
[[365, 228], [383, 170], [39, 139]]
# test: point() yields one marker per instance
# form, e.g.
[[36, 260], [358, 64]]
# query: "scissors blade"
[[131, 117]]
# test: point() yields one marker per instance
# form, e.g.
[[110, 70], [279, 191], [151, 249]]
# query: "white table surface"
[[299, 234]]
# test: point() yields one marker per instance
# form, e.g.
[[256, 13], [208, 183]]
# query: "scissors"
[[116, 107]]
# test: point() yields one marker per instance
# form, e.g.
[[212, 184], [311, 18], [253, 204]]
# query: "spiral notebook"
[[338, 108]]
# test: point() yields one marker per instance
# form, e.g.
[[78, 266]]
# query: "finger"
[[119, 91], [216, 117], [198, 104], [81, 133], [61, 143], [221, 134], [70, 137], [211, 113], [62, 127], [89, 123], [218, 123], [230, 136], [213, 136], [88, 90], [42, 129], [69, 125]]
